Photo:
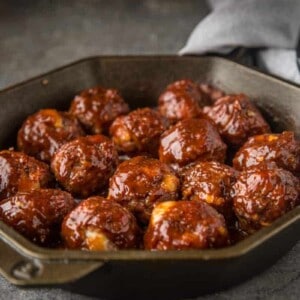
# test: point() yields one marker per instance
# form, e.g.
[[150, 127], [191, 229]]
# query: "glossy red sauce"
[[21, 173], [236, 119], [138, 132], [100, 224], [84, 165], [96, 108], [179, 225], [263, 194], [189, 141], [45, 131], [140, 183], [282, 149], [38, 214], [181, 100], [210, 182]]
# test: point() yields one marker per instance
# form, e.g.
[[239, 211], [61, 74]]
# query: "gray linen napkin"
[[269, 26]]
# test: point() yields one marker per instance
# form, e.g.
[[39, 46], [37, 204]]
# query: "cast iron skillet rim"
[[138, 57], [24, 246], [27, 248]]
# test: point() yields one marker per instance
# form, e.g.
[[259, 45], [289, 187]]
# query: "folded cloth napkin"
[[271, 27]]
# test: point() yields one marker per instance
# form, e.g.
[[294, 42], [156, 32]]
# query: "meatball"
[[236, 119], [138, 132], [45, 131], [37, 214], [263, 194], [84, 165], [281, 149], [96, 108], [181, 225], [21, 173], [210, 182], [191, 140], [140, 183], [181, 100], [100, 224]]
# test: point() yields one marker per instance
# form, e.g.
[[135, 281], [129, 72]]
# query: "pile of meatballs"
[[200, 170]]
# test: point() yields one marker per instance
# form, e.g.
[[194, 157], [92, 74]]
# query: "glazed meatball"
[[21, 173], [140, 183], [138, 132], [189, 141], [37, 214], [181, 100], [96, 108], [84, 165], [181, 225], [281, 149], [236, 119], [263, 194], [210, 182], [100, 224], [45, 131]]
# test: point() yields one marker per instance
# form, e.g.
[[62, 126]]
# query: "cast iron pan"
[[145, 274]]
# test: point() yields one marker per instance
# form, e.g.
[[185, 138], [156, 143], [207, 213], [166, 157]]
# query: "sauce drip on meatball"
[[210, 182], [21, 173], [181, 100], [38, 214], [263, 194], [183, 225], [282, 149], [140, 183], [138, 132], [100, 224], [84, 165], [96, 108], [45, 131], [236, 119], [189, 141]]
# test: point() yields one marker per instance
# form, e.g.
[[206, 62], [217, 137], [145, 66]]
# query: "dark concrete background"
[[37, 36]]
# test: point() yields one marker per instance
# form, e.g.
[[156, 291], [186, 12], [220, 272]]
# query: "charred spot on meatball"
[[45, 131], [96, 108], [100, 224], [263, 194], [181, 100], [37, 214], [84, 165], [140, 183], [189, 141], [138, 132], [236, 119], [282, 149], [210, 182], [21, 173], [182, 225]]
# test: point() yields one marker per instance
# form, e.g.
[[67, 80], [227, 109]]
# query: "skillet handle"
[[22, 270]]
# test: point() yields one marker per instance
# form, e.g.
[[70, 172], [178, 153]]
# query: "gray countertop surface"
[[37, 36]]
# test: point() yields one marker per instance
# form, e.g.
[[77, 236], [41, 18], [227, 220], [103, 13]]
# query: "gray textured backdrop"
[[37, 36]]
